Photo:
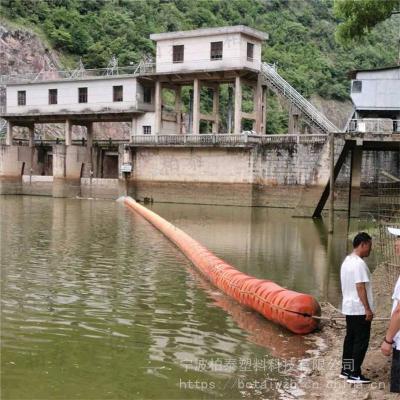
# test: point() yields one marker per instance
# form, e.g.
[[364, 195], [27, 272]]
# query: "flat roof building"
[[376, 92], [209, 49]]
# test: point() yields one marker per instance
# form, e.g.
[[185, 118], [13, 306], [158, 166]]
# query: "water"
[[97, 304]]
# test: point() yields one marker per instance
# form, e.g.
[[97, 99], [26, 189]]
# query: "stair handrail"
[[292, 94]]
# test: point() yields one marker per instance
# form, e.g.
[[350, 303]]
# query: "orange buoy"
[[293, 310]]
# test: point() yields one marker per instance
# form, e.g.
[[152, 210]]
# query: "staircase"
[[283, 88]]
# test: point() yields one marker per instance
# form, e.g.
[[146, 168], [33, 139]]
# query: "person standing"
[[357, 306], [391, 342]]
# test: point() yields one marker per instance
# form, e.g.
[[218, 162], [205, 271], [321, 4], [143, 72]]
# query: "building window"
[[250, 51], [52, 96], [146, 130], [146, 94], [216, 51], [178, 53], [118, 94], [21, 97], [356, 87], [82, 95]]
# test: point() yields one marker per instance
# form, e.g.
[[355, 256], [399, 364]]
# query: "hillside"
[[301, 33]]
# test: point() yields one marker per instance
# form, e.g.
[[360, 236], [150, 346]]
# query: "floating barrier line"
[[271, 304], [297, 312]]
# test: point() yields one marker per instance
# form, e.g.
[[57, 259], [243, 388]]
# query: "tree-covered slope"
[[301, 33]]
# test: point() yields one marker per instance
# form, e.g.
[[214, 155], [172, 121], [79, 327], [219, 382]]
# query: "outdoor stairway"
[[281, 87]]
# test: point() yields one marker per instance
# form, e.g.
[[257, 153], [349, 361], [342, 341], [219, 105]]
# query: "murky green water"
[[97, 304]]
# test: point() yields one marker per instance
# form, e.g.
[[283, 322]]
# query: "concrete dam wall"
[[269, 174]]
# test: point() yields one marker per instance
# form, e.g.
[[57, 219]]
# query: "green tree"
[[360, 16]]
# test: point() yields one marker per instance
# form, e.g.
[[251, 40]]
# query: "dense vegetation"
[[359, 17], [302, 33]]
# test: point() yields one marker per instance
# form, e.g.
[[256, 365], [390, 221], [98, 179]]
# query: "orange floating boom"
[[285, 307]]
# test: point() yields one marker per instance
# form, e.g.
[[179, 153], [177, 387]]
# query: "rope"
[[336, 317], [322, 318]]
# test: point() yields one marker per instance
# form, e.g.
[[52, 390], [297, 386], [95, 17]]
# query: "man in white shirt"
[[391, 342], [357, 306]]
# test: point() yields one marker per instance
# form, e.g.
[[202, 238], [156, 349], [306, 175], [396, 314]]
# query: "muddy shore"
[[321, 378]]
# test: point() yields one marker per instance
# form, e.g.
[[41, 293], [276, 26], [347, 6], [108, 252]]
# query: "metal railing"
[[243, 139], [295, 138], [285, 89], [132, 70], [374, 125], [195, 140], [224, 139]]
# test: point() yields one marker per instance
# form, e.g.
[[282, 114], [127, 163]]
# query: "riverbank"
[[322, 380]]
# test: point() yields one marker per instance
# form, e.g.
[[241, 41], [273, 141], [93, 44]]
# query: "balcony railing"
[[195, 140], [374, 125], [54, 75], [223, 139], [229, 140]]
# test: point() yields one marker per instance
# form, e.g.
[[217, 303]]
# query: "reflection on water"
[[97, 304]]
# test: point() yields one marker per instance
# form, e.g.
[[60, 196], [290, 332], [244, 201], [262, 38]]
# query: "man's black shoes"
[[344, 374], [358, 379]]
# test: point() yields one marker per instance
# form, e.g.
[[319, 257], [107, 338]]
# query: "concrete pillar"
[[293, 125], [9, 134], [158, 108], [238, 106], [124, 157], [31, 135], [215, 125], [134, 131], [68, 132], [258, 105], [229, 121], [190, 128], [355, 182], [89, 149], [178, 108], [196, 106], [264, 109], [89, 128]]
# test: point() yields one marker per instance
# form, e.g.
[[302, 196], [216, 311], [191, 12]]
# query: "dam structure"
[[197, 118]]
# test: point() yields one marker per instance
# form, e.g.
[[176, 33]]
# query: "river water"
[[97, 304]]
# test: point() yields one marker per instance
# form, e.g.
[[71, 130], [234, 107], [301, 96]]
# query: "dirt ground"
[[321, 380]]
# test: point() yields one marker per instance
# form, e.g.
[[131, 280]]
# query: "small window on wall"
[[146, 130], [118, 93], [21, 97], [52, 96], [83, 95], [178, 53], [216, 50], [356, 87], [250, 51], [146, 94]]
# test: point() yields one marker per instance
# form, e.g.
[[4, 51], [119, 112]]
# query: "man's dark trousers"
[[355, 343], [395, 373]]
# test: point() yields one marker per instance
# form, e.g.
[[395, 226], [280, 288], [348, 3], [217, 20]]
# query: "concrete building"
[[79, 96], [178, 149], [203, 58], [376, 99], [209, 49]]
